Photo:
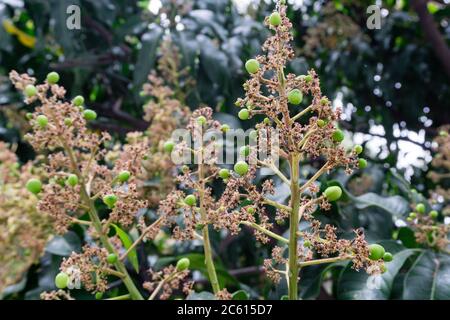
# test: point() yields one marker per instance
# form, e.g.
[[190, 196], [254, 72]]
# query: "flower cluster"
[[165, 111], [274, 95], [335, 31], [102, 187], [164, 282], [440, 172], [89, 268], [76, 176], [427, 227], [24, 231]]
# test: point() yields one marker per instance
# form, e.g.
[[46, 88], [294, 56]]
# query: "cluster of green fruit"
[[41, 120], [62, 279], [295, 97], [377, 252], [34, 185], [421, 209], [111, 199]]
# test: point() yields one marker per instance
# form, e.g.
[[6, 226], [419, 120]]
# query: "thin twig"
[[265, 231]]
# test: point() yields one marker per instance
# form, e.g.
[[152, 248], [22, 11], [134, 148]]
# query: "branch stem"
[[265, 231], [293, 268], [209, 261]]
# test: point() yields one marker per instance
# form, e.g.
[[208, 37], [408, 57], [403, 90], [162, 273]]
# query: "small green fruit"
[[333, 193], [266, 121], [251, 210], [30, 90], [61, 280], [99, 295], [111, 258], [183, 264], [362, 163], [413, 215], [376, 252], [34, 186], [42, 121], [244, 114], [29, 116], [124, 176], [388, 257], [241, 168], [321, 123], [110, 200], [275, 19], [358, 149], [190, 200], [338, 136], [383, 268], [68, 122], [295, 97], [245, 151], [252, 66], [420, 208], [201, 120], [225, 128], [307, 244], [168, 146], [72, 180], [89, 114], [78, 101], [308, 78], [324, 101], [433, 214], [224, 173], [53, 77]]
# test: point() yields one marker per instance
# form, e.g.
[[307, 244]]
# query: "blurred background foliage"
[[393, 85]]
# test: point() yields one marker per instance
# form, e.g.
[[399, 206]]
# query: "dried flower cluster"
[[77, 175], [440, 172], [165, 111], [428, 229], [335, 31], [164, 282], [24, 230], [86, 180], [275, 95]]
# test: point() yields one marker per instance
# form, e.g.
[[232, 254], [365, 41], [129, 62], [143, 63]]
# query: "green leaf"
[[428, 278], [407, 237], [240, 295], [354, 285], [127, 242], [64, 245], [395, 205], [312, 278], [147, 56]]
